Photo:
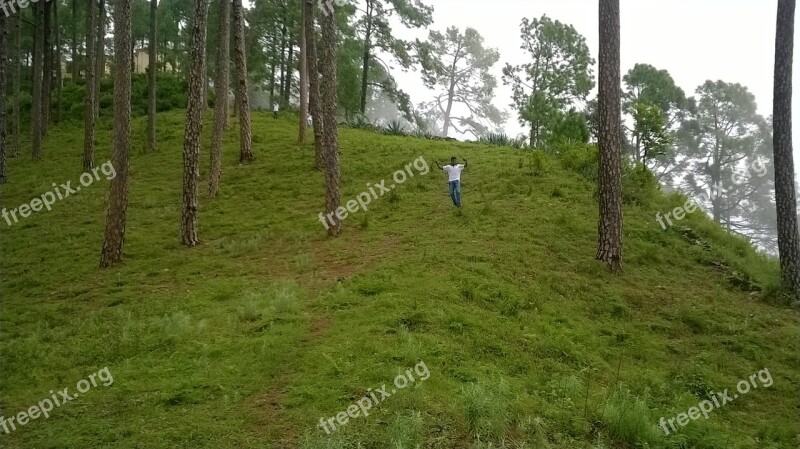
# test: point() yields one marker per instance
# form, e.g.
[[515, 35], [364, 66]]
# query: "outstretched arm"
[[465, 162], [437, 164]]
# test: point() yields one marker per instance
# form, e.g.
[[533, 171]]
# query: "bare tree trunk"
[[365, 57], [91, 95], [273, 69], [194, 123], [3, 73], [301, 134], [287, 93], [283, 51], [38, 60], [242, 102], [100, 58], [151, 78], [329, 101], [118, 196], [75, 68], [220, 106], [59, 74], [610, 180], [785, 195], [17, 79], [313, 83], [47, 76]]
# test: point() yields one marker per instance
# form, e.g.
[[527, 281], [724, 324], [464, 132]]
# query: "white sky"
[[695, 40]]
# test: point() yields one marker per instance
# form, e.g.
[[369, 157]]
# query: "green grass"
[[247, 340]]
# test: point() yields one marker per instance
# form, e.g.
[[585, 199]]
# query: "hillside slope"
[[248, 340]]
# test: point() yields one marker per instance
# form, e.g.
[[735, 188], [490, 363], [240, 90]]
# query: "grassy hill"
[[249, 339]]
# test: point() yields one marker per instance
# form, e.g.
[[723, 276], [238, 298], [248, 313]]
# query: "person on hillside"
[[454, 178], [275, 110]]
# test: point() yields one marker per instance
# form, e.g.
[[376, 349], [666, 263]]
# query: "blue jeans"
[[455, 192]]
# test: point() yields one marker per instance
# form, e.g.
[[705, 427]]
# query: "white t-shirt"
[[453, 172], [275, 107]]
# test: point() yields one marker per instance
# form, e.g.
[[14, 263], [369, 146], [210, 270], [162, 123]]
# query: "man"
[[454, 178], [275, 110]]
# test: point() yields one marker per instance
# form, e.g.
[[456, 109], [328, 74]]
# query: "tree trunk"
[[152, 57], [221, 85], [75, 68], [242, 102], [314, 107], [47, 71], [610, 179], [118, 194], [272, 74], [100, 58], [17, 79], [283, 52], [59, 74], [330, 144], [3, 73], [785, 201], [365, 61], [303, 66], [91, 95], [287, 93], [38, 60], [194, 123]]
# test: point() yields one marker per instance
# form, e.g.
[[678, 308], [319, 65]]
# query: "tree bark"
[[220, 108], [118, 195], [100, 57], [17, 79], [314, 106], [287, 93], [303, 66], [242, 102], [91, 96], [329, 100], [47, 70], [75, 68], [59, 74], [785, 194], [152, 57], [610, 179], [194, 123], [38, 60], [365, 61], [3, 73]]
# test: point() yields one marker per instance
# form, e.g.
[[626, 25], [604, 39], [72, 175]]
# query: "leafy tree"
[[650, 129], [724, 133], [648, 89], [377, 34], [570, 127], [458, 64], [558, 75]]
